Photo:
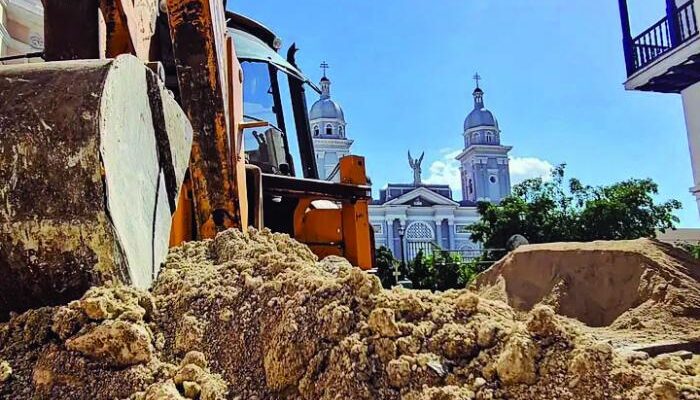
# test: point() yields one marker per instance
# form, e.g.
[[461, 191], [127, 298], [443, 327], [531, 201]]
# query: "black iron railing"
[[670, 32], [412, 248]]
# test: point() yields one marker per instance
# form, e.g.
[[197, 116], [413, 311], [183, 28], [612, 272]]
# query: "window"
[[341, 130], [489, 137], [475, 136], [419, 231], [462, 228], [329, 129], [493, 179], [316, 130], [258, 101]]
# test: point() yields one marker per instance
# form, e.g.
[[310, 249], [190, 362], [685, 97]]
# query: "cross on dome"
[[477, 78], [324, 67]]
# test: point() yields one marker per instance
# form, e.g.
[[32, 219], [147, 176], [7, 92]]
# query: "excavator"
[[151, 124]]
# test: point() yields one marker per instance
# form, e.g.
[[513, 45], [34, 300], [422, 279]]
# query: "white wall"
[[691, 107]]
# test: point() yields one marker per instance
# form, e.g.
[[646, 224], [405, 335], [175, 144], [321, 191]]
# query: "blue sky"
[[552, 72]]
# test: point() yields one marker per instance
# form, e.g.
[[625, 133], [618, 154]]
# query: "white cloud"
[[522, 168], [446, 170]]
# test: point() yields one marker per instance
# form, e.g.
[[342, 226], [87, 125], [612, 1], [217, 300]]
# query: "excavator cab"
[[329, 217]]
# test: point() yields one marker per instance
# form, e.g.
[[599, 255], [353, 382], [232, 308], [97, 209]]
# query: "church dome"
[[479, 116], [325, 107]]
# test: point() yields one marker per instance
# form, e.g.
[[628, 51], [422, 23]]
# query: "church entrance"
[[419, 236]]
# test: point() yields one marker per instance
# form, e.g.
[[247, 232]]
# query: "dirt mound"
[[624, 283], [99, 347], [273, 322]]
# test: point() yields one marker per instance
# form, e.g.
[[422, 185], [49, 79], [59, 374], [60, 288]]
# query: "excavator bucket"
[[92, 157]]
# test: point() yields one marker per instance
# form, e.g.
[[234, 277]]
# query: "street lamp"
[[402, 231]]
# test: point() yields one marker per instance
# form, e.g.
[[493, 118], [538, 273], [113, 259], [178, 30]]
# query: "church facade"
[[408, 217]]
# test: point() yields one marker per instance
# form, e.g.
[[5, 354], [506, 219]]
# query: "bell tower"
[[328, 129], [484, 167]]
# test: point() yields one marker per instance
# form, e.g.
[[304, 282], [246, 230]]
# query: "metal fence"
[[413, 248]]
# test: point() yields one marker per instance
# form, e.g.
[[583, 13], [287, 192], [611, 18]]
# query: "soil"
[[257, 316], [637, 292]]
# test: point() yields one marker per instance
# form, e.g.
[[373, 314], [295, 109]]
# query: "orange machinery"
[[227, 75]]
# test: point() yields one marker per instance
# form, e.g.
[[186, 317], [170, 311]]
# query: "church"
[[408, 217]]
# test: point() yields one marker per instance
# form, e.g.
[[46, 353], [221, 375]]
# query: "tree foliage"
[[385, 263], [691, 248], [560, 210], [440, 270], [421, 272]]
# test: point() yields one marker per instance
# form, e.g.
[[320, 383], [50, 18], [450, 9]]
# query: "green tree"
[[447, 271], [440, 270], [691, 248], [421, 272], [560, 210], [385, 262]]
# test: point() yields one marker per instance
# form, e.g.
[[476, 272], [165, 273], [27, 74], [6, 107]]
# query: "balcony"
[[661, 58]]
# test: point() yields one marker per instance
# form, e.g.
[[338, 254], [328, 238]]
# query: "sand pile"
[[100, 347], [640, 285], [270, 321]]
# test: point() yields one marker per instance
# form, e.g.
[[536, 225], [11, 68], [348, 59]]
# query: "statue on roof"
[[415, 166]]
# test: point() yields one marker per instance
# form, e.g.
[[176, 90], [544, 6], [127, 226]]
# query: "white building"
[[665, 58], [21, 29], [411, 217], [328, 127]]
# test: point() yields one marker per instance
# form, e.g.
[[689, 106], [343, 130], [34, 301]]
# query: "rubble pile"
[[102, 346], [257, 316]]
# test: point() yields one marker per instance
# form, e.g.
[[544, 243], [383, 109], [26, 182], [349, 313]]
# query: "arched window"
[[419, 231], [329, 129], [489, 137], [317, 131], [475, 136], [341, 131]]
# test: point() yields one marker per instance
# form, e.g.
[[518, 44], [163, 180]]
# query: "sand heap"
[[642, 285], [100, 347], [270, 321]]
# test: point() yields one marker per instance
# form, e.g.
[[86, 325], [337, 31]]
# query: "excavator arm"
[[197, 29]]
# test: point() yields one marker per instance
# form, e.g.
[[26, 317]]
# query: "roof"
[[394, 191], [479, 116], [326, 108]]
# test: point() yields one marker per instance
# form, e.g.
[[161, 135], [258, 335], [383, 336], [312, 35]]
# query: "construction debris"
[[257, 316]]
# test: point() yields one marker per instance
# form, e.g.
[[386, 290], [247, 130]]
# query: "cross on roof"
[[324, 67], [477, 78]]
